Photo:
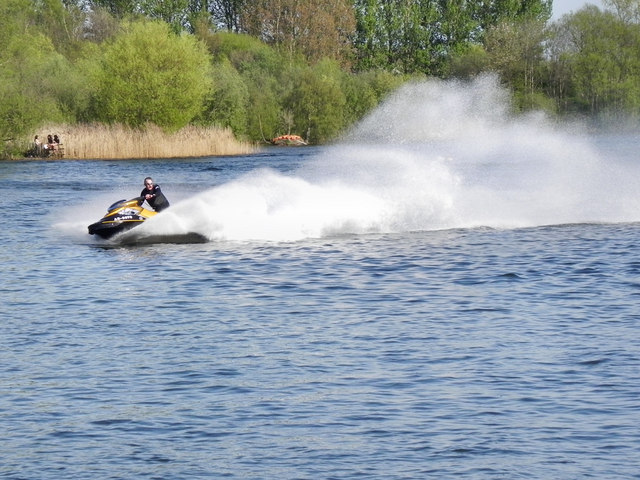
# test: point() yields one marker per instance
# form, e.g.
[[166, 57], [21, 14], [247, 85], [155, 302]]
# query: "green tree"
[[264, 117], [31, 74], [423, 35], [118, 8], [149, 74], [317, 102], [365, 90], [599, 55], [492, 12], [174, 12], [26, 100], [243, 51], [227, 103], [396, 34], [100, 26], [626, 10], [515, 50], [469, 62], [223, 13], [263, 71], [62, 21]]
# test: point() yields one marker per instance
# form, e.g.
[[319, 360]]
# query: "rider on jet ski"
[[153, 195]]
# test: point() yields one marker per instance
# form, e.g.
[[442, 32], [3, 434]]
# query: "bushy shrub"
[[151, 75]]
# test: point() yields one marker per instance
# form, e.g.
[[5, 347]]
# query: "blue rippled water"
[[361, 339]]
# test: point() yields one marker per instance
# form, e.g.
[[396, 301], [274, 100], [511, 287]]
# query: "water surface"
[[420, 310]]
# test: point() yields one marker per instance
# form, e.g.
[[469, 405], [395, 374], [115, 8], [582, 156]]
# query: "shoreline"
[[120, 142], [107, 159]]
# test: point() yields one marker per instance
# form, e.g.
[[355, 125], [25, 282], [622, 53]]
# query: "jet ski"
[[121, 216]]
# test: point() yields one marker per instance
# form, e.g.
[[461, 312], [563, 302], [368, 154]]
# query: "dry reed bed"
[[118, 142]]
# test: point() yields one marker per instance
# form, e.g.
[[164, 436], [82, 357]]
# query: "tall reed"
[[102, 141]]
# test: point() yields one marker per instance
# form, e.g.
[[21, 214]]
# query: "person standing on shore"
[[153, 195], [37, 146]]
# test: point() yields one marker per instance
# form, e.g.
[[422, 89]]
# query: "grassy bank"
[[118, 142]]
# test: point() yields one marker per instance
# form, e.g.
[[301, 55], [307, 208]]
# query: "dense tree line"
[[313, 67]]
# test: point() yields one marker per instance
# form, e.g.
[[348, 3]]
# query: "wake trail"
[[435, 155]]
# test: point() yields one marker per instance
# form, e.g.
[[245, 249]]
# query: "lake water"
[[452, 296]]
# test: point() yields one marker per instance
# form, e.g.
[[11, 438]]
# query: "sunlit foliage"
[[150, 75], [270, 67]]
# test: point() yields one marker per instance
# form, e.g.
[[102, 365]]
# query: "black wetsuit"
[[158, 202]]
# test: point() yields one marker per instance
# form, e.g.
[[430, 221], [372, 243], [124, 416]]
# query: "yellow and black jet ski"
[[121, 216]]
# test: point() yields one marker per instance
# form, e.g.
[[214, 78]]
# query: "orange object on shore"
[[288, 141]]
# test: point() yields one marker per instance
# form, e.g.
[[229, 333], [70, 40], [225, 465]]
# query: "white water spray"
[[435, 155]]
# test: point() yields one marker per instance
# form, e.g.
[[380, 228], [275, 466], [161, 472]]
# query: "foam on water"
[[435, 155]]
